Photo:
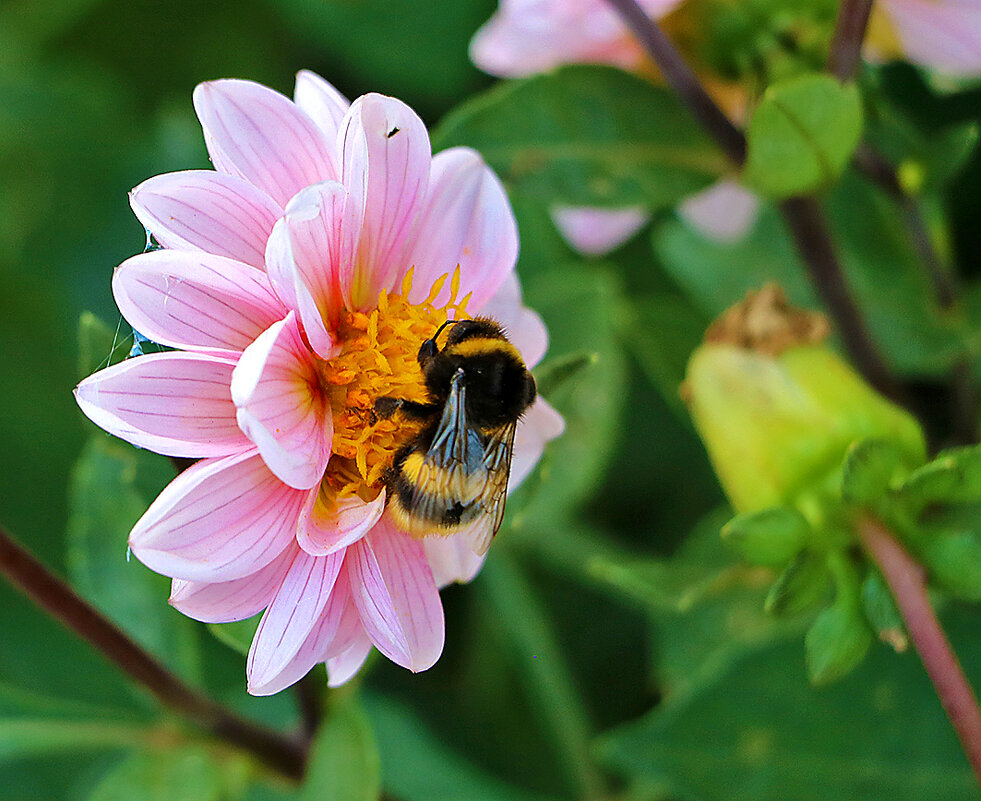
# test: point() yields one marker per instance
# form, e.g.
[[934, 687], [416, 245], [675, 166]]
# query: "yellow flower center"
[[378, 359]]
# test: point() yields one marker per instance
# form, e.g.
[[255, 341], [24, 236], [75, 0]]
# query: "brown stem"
[[907, 581], [846, 46], [53, 595], [309, 694], [803, 215]]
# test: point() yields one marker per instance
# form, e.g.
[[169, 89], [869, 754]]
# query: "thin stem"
[[53, 595], [681, 78], [907, 582], [803, 214], [846, 46], [309, 694]]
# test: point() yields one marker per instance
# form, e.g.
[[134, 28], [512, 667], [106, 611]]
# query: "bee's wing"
[[497, 467]]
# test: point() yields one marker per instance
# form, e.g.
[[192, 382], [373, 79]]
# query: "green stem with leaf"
[[907, 581]]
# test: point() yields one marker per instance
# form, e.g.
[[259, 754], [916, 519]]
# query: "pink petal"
[[396, 596], [258, 134], [595, 231], [467, 222], [451, 559], [386, 157], [281, 407], [208, 211], [343, 667], [177, 404], [303, 261], [219, 520], [322, 102], [539, 425], [523, 326], [293, 625], [195, 301], [322, 531], [940, 34], [226, 601], [724, 212]]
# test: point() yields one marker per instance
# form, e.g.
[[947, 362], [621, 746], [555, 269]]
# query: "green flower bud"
[[953, 477], [881, 612], [777, 409], [770, 537], [803, 584]]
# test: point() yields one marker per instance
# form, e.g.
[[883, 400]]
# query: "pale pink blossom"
[[944, 35], [297, 279]]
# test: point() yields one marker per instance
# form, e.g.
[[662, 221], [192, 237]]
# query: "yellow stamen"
[[378, 359]]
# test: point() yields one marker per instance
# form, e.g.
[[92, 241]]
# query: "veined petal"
[[321, 101], [724, 212], [178, 404], [219, 520], [467, 222], [939, 34], [595, 231], [386, 156], [523, 326], [227, 601], [539, 425], [451, 559], [294, 622], [303, 260], [343, 667], [207, 211], [280, 406], [396, 596], [322, 531], [195, 301], [260, 135]]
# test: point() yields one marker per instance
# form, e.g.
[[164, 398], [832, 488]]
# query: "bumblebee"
[[452, 477]]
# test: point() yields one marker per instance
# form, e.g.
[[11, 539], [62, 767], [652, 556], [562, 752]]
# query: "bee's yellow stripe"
[[478, 346]]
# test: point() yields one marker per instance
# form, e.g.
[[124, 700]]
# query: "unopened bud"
[[770, 537]]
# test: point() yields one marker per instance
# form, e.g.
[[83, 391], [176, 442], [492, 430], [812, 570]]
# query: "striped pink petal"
[[303, 260], [451, 559], [178, 404], [944, 35], [281, 408], [386, 156], [396, 597], [539, 425], [523, 326], [227, 601], [207, 211], [294, 632], [195, 301], [323, 530], [467, 222], [343, 667], [219, 520], [260, 135], [321, 101], [595, 231]]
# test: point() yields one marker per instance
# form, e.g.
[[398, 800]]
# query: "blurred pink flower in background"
[[529, 36], [944, 35], [285, 283]]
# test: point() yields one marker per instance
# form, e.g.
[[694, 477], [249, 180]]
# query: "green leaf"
[[587, 135], [184, 774], [21, 738], [98, 345], [419, 766], [953, 477], [881, 612], [105, 503], [836, 642], [802, 135], [344, 763], [769, 537], [871, 467], [802, 585], [761, 732], [953, 559]]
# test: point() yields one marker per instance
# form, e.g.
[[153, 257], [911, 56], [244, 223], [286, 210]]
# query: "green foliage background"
[[611, 648]]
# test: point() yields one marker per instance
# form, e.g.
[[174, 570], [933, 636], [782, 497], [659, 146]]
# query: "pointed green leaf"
[[769, 537], [802, 585], [185, 774], [953, 559], [871, 467], [953, 477], [344, 763]]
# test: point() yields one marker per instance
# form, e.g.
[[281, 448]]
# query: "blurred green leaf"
[[802, 135], [28, 737], [418, 766], [587, 135], [836, 642], [238, 635], [870, 468], [881, 611], [880, 265], [801, 586], [344, 763], [770, 537], [953, 559], [182, 774], [760, 731], [954, 477], [105, 503]]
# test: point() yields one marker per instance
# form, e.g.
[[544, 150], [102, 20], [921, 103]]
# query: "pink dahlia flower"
[[525, 37], [944, 35], [297, 282]]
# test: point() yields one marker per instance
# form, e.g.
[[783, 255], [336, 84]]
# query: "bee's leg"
[[386, 407]]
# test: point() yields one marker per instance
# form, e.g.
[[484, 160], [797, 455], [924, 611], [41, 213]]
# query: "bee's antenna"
[[440, 329]]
